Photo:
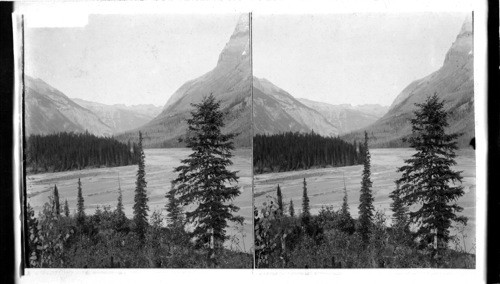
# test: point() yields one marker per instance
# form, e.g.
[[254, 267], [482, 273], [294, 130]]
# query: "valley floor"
[[100, 188], [325, 186]]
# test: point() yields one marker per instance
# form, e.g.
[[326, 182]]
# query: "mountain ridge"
[[48, 110], [121, 117], [347, 117], [453, 82], [276, 111]]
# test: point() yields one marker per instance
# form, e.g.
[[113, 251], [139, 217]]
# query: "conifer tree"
[[306, 215], [428, 182], [280, 200], [346, 222], [56, 208], [174, 208], [66, 208], [345, 206], [203, 178], [400, 211], [400, 224], [291, 210], [120, 211], [141, 199], [80, 215], [366, 209]]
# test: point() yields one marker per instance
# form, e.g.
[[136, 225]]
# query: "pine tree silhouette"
[[203, 178], [280, 199], [141, 207], [291, 210], [366, 209], [427, 180], [66, 208], [80, 215], [306, 215], [56, 205]]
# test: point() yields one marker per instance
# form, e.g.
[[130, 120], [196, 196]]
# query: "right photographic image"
[[364, 140]]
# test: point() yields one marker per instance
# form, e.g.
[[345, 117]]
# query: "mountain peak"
[[461, 50], [242, 27], [237, 49], [467, 25], [230, 83]]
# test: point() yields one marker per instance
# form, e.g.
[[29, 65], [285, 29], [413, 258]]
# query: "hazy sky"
[[130, 59], [342, 58], [351, 58]]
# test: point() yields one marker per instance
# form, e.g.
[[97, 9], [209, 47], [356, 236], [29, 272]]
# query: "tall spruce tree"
[[56, 206], [291, 210], [280, 199], [428, 182], [120, 210], [203, 178], [141, 207], [174, 208], [80, 211], [306, 214], [66, 208], [346, 222], [366, 209]]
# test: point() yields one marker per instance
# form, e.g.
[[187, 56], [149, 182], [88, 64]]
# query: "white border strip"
[[283, 276]]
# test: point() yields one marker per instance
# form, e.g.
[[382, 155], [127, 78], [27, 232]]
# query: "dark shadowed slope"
[[229, 82], [453, 82], [48, 110]]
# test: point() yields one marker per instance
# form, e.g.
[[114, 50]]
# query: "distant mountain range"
[[48, 110], [120, 117], [277, 111], [274, 110], [345, 117], [453, 83]]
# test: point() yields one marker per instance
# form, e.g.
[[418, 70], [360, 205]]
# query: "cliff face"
[[453, 83], [230, 82]]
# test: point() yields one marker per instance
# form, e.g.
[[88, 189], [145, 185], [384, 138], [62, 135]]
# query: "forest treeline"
[[301, 151], [74, 151]]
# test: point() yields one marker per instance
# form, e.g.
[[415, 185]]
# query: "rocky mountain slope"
[[453, 83], [230, 82], [346, 117], [277, 111], [121, 117], [48, 110]]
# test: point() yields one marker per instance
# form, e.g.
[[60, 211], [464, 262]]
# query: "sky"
[[351, 58], [333, 58], [127, 59]]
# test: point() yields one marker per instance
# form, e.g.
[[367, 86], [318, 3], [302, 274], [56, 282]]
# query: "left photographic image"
[[137, 141]]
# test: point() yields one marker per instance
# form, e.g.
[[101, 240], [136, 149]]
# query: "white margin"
[[293, 275]]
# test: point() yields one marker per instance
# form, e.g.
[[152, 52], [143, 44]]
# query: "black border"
[[7, 249], [492, 232]]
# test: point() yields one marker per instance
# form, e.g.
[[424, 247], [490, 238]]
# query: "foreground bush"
[[285, 242], [105, 240]]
